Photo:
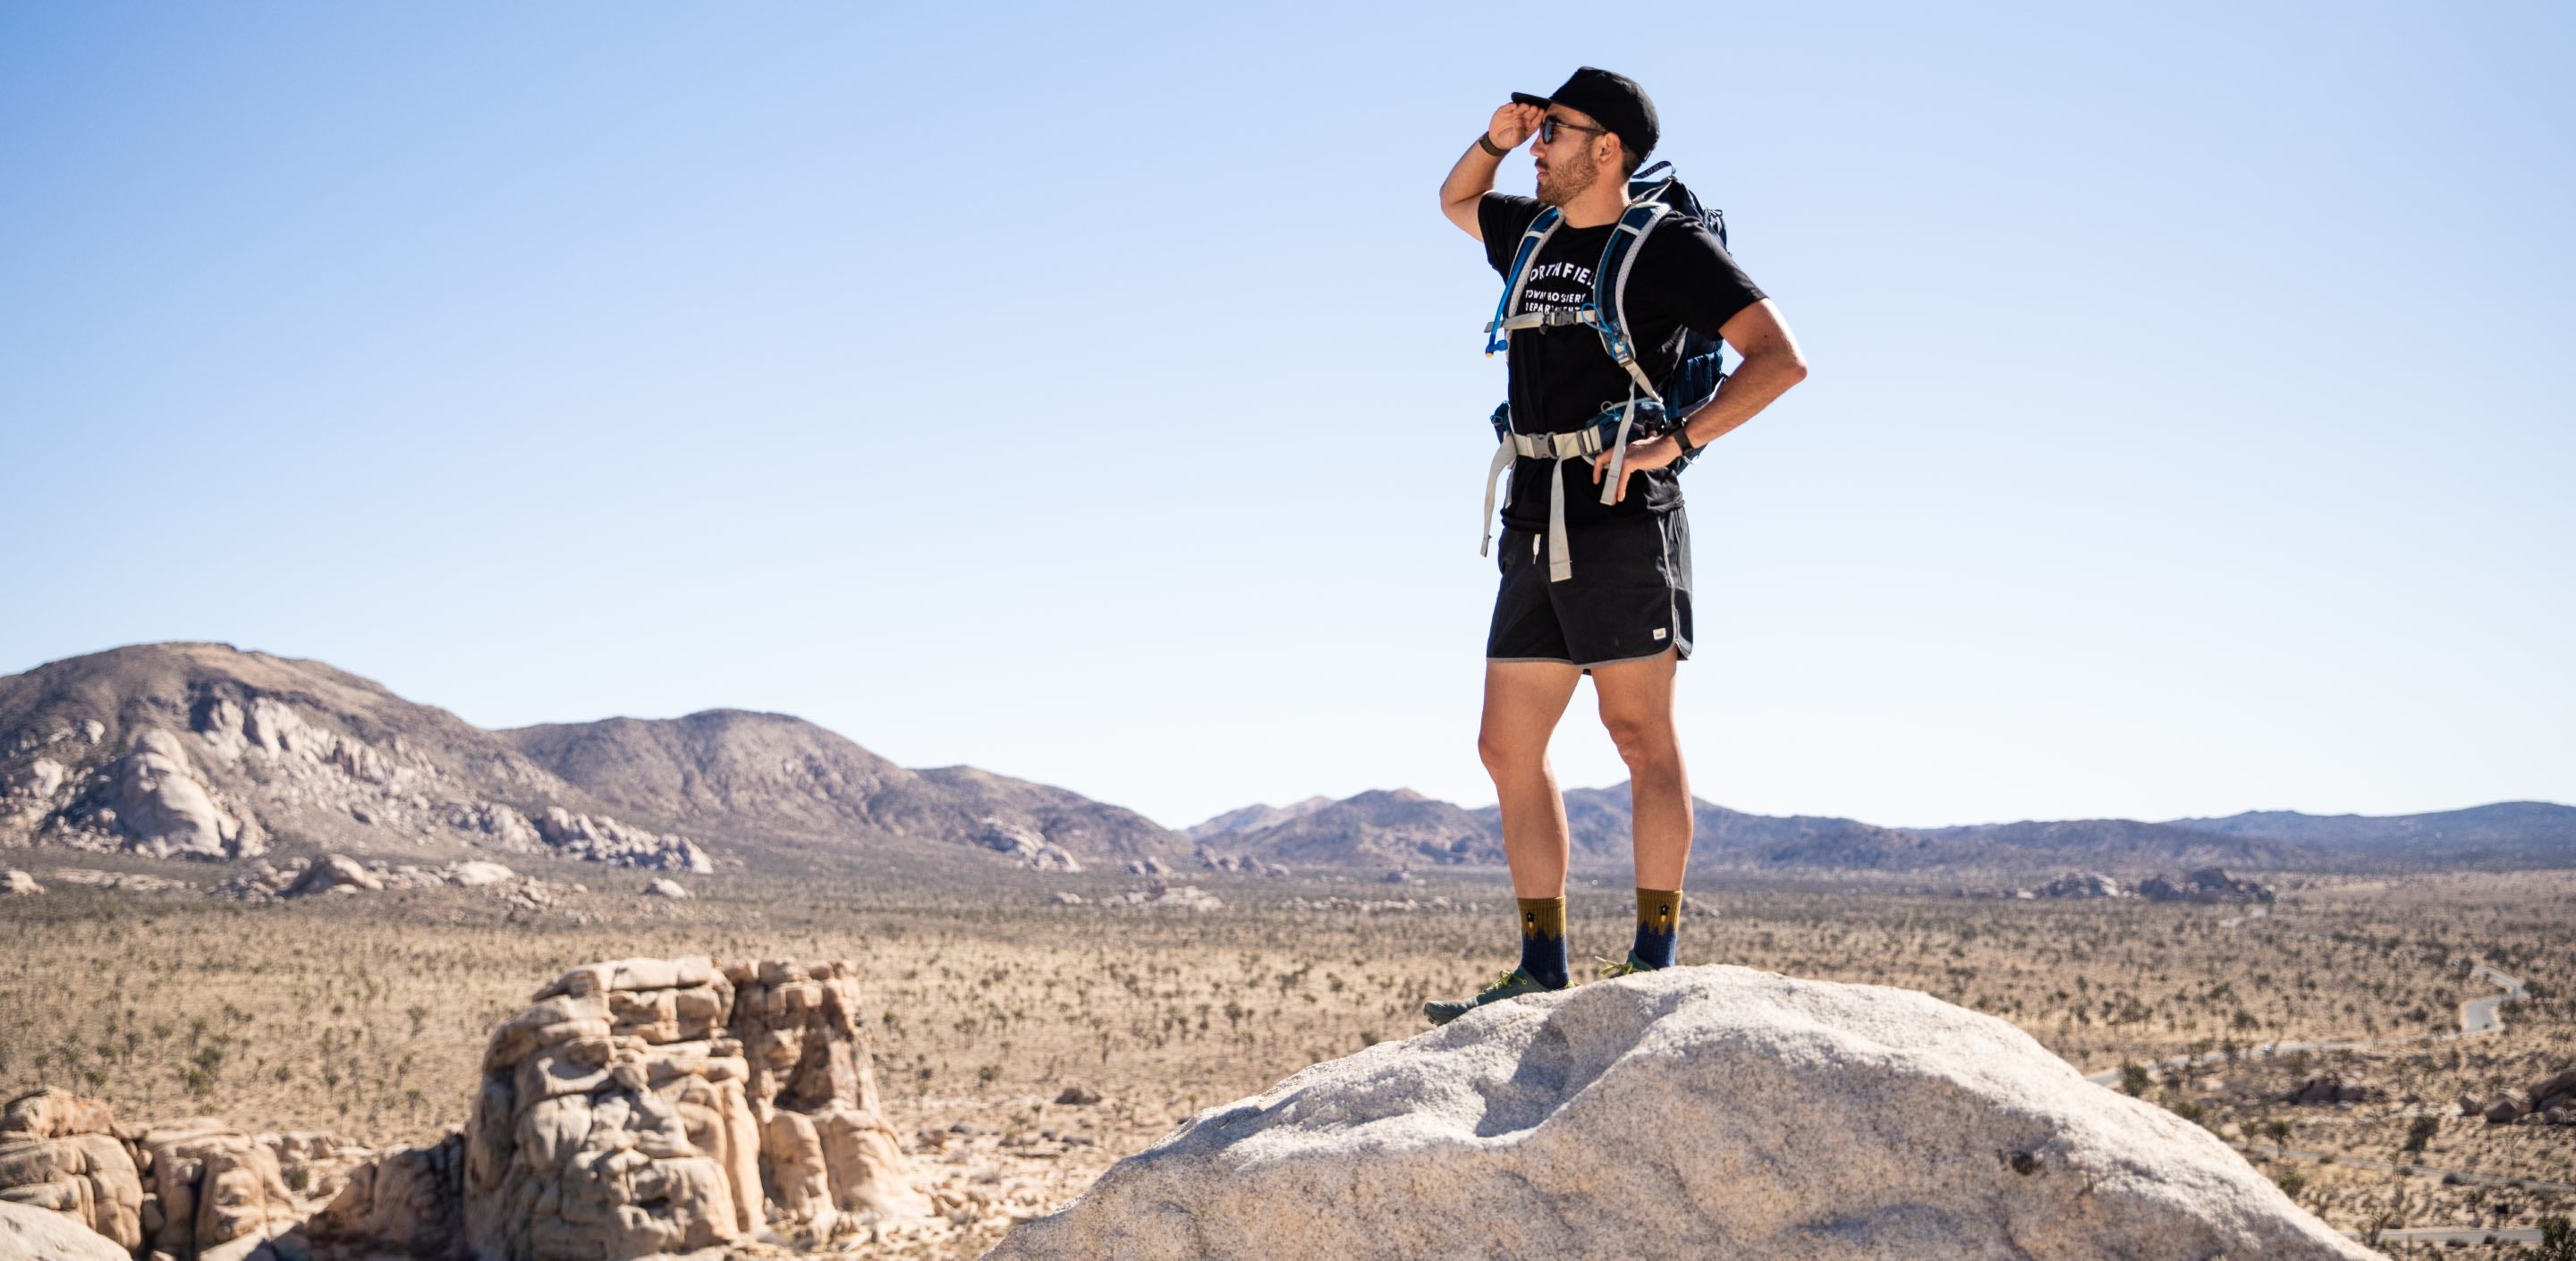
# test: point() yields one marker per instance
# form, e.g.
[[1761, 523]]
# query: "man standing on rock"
[[1597, 583]]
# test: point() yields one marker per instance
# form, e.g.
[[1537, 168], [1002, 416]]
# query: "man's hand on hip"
[[1643, 454]]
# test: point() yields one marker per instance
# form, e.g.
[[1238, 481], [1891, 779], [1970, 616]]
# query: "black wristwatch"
[[1681, 434], [1487, 140]]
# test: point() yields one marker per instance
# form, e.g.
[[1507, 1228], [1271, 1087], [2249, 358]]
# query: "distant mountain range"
[[1403, 828], [205, 751]]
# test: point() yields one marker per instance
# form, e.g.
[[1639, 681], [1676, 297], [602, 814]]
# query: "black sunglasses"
[[1548, 127]]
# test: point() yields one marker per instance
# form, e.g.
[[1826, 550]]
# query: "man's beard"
[[1558, 185]]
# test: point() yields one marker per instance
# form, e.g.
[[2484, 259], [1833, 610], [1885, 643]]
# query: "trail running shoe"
[[1511, 984]]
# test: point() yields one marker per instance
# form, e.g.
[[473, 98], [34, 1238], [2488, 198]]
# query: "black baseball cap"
[[1614, 99]]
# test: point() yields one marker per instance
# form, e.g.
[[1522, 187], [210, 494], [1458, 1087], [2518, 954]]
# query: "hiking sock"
[[1659, 926], [1543, 940]]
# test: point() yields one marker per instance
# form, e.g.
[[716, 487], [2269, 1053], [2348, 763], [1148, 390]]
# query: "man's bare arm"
[[1772, 363], [1473, 177]]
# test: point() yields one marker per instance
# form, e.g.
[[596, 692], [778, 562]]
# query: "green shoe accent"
[[1510, 984], [1629, 966]]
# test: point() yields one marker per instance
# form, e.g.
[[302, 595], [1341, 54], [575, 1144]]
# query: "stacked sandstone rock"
[[652, 1105], [62, 1152], [186, 1188]]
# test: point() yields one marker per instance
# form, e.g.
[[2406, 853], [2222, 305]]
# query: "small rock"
[[1077, 1095], [665, 887], [18, 884]]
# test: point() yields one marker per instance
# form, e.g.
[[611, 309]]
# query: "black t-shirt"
[[1561, 377]]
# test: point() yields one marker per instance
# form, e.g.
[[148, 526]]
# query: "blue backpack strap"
[[1539, 229], [1610, 286]]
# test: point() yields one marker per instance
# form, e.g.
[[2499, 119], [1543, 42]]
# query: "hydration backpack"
[[1650, 202]]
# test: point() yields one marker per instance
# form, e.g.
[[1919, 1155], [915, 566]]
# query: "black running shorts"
[[1629, 597]]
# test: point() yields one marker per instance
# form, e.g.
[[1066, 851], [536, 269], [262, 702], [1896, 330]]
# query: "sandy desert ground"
[[364, 1014]]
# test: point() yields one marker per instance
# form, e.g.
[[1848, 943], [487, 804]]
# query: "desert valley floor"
[[990, 994]]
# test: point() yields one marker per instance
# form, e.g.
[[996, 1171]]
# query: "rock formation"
[[605, 840], [2083, 885], [2209, 884], [408, 1201], [1025, 843], [1711, 1111], [212, 1185], [333, 873], [61, 1152], [654, 1105], [158, 800], [2330, 1089], [1214, 860], [181, 1188], [2550, 1100]]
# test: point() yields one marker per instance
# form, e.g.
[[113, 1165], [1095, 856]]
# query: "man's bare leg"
[[1523, 700], [1637, 708]]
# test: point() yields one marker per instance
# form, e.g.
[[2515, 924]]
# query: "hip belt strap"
[[1605, 432]]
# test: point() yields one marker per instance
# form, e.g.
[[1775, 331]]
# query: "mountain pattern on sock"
[[1543, 940], [1659, 927]]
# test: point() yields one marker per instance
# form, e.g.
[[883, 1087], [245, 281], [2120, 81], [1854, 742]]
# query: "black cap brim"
[[1524, 98]]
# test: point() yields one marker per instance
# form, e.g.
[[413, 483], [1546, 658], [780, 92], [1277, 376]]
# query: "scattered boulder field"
[[1772, 1117], [2208, 885]]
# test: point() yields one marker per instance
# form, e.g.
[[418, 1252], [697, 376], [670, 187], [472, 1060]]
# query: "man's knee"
[[1505, 756], [1644, 743]]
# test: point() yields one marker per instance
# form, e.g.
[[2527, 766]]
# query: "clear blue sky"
[[1092, 394]]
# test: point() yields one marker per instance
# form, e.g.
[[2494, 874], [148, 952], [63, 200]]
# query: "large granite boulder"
[[1711, 1111], [28, 1233], [61, 1152], [165, 808], [659, 1105]]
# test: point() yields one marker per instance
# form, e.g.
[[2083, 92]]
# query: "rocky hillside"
[[205, 751], [1254, 818], [1379, 828], [736, 771]]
